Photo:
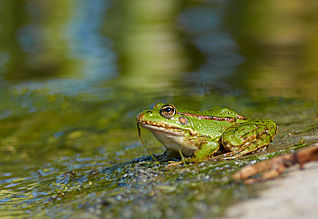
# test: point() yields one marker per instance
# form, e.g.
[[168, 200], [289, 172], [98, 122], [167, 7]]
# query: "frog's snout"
[[140, 117]]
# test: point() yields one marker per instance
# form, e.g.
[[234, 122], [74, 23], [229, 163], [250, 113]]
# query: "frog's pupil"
[[168, 110]]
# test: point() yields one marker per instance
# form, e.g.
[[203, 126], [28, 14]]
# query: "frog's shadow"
[[168, 155]]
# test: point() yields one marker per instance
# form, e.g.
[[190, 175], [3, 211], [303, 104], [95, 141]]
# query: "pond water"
[[74, 75]]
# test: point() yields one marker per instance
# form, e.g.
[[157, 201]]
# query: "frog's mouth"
[[160, 127]]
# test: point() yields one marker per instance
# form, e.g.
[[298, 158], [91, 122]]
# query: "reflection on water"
[[60, 48], [205, 27], [279, 42], [221, 46], [74, 74], [151, 54]]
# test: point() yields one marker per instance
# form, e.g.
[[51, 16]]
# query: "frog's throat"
[[206, 117], [171, 137]]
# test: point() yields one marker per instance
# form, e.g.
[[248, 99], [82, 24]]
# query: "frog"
[[202, 135]]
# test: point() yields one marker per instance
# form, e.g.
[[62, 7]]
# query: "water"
[[75, 74]]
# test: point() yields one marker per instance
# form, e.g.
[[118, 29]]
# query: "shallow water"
[[74, 77]]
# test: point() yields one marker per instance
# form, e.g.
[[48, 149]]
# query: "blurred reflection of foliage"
[[42, 39], [170, 45], [151, 55], [32, 40], [204, 27], [279, 41]]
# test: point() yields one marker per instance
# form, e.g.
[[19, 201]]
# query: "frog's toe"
[[174, 163], [226, 156], [229, 158]]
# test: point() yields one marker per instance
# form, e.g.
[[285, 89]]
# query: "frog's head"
[[165, 118], [170, 127]]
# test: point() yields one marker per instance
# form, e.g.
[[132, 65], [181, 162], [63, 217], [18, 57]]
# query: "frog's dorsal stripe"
[[228, 119]]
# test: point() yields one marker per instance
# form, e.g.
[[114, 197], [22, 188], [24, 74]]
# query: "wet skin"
[[199, 135]]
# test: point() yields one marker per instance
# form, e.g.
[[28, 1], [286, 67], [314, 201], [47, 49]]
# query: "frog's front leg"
[[247, 137], [205, 151]]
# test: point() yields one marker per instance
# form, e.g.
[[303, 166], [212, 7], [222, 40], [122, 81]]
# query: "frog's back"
[[222, 112], [215, 113]]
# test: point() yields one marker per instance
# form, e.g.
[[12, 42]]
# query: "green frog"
[[201, 135]]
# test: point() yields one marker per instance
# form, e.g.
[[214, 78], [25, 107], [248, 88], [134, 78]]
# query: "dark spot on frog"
[[183, 120], [148, 111]]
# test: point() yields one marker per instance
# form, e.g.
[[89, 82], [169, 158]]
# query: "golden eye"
[[168, 111]]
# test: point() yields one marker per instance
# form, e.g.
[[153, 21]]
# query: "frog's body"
[[200, 134]]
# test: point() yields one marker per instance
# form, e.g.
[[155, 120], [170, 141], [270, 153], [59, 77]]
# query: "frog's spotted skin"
[[200, 134]]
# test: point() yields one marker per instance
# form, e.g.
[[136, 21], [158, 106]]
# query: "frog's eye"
[[168, 111]]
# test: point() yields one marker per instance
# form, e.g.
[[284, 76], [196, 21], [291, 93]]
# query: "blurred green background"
[[266, 48]]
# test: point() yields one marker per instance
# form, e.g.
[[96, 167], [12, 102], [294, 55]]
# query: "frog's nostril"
[[148, 111]]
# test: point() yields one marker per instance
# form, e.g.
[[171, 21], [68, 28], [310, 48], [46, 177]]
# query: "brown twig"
[[276, 166]]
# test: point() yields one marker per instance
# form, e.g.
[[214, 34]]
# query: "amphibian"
[[199, 135]]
